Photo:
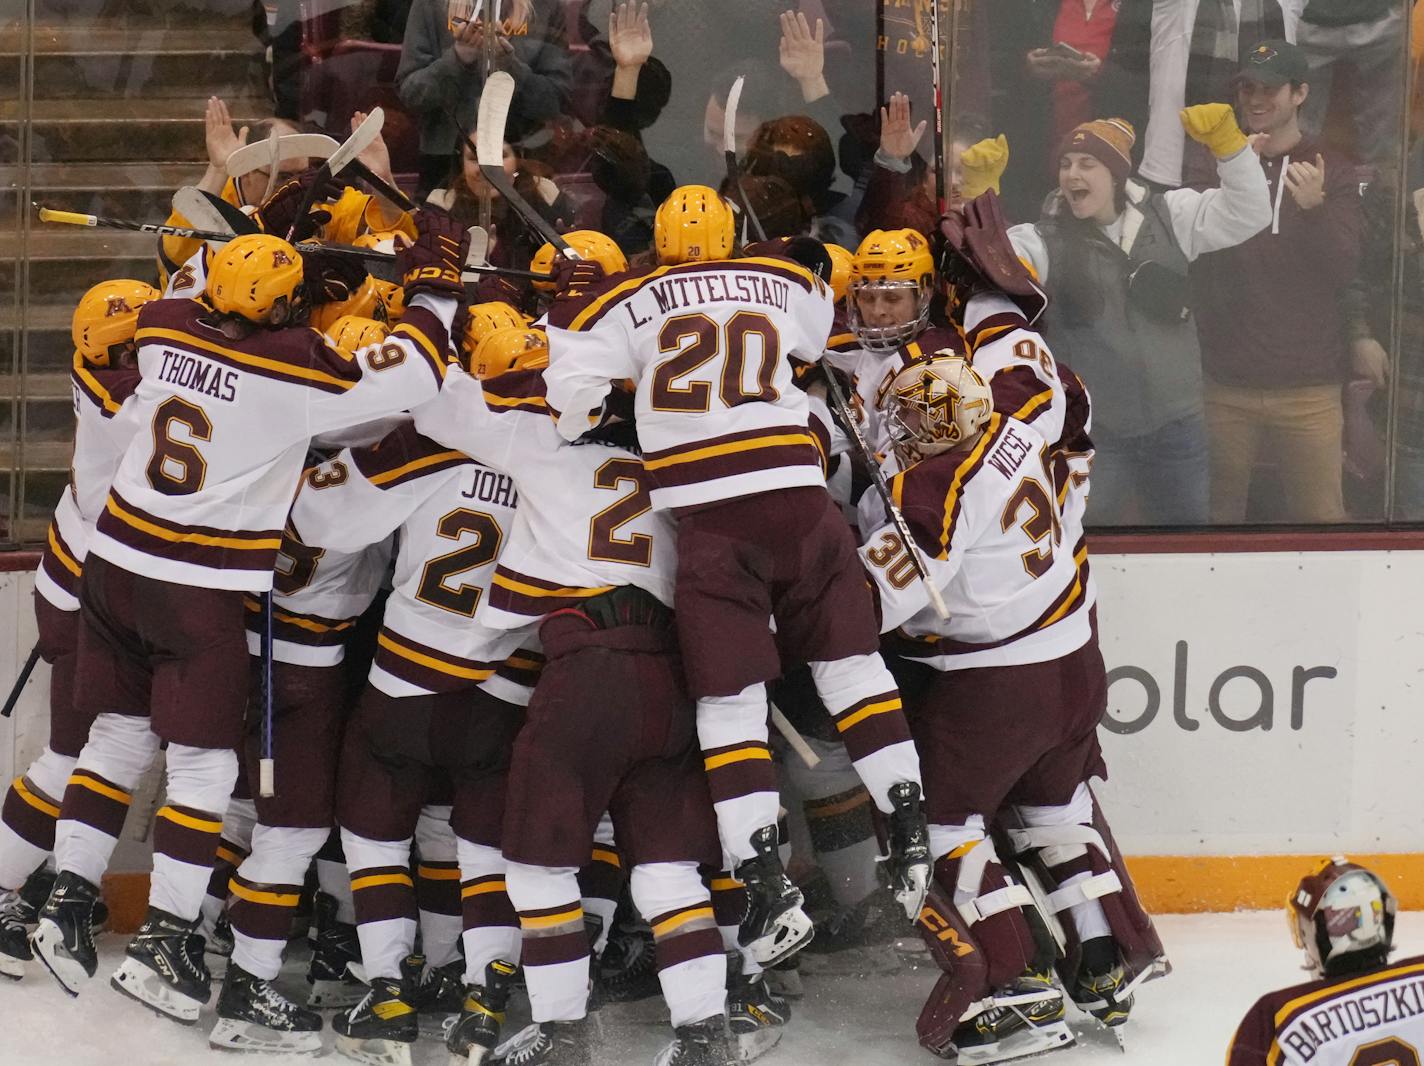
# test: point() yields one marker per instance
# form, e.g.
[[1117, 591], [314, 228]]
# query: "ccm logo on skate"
[[1237, 677], [942, 930]]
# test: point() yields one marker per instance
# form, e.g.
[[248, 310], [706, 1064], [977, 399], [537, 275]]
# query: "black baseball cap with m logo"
[[1274, 63]]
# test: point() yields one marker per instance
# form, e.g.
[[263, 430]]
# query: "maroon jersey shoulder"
[[404, 455]]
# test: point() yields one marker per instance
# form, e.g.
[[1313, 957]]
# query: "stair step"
[[120, 129], [113, 37], [42, 455], [149, 75], [50, 346], [62, 265], [142, 192]]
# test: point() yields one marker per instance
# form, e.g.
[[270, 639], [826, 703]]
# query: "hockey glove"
[[434, 262], [983, 165], [1214, 125], [571, 276], [331, 276], [281, 208]]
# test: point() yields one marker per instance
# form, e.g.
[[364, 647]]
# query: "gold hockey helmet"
[[508, 349], [694, 225], [590, 244], [107, 315], [257, 276]]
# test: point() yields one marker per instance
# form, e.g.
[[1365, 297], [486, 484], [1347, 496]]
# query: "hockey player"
[[232, 393], [1007, 720], [103, 378], [1360, 1008], [317, 597], [709, 343], [430, 745], [610, 727]]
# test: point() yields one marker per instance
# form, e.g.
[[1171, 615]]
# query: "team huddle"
[[646, 553]]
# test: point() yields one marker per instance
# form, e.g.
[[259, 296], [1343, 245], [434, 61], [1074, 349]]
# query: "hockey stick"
[[941, 172], [75, 218], [498, 94], [190, 204], [19, 685], [382, 186], [794, 738], [272, 151], [902, 528], [361, 138], [266, 767], [729, 152], [241, 222]]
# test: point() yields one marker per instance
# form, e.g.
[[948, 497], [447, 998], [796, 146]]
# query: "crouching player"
[[1006, 723], [1359, 1010]]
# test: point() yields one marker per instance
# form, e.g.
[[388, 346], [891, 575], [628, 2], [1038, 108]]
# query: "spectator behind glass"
[[1113, 257], [1369, 303], [797, 149], [901, 192], [1363, 39], [441, 71], [1196, 47], [1039, 92], [1269, 311], [512, 244]]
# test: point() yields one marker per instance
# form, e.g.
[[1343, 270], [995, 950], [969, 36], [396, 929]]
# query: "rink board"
[[1264, 710]]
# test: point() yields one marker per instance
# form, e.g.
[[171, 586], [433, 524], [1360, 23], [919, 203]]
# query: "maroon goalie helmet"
[[1342, 910], [975, 257]]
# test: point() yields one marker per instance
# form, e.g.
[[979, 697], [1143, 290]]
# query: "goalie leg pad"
[[1074, 850]]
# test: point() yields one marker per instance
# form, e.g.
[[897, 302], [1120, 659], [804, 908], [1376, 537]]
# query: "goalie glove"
[[433, 263]]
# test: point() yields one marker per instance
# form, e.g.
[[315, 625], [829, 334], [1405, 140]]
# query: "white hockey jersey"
[[585, 522], [990, 525], [104, 423], [203, 491], [454, 517], [709, 346], [317, 596]]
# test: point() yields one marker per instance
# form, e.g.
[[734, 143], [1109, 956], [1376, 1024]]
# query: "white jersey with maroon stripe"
[[104, 424], [1016, 362], [316, 598], [204, 488], [990, 526], [585, 522], [454, 517], [189, 281], [709, 346]]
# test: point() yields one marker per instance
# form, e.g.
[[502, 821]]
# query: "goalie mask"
[[891, 283], [935, 405], [1342, 914]]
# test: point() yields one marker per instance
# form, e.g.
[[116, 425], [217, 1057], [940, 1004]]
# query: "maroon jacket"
[[1269, 311]]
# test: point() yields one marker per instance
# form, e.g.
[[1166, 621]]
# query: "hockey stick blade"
[[498, 94], [390, 192], [241, 222], [195, 208], [493, 119], [902, 528], [729, 153], [794, 738], [478, 254], [260, 154], [360, 139]]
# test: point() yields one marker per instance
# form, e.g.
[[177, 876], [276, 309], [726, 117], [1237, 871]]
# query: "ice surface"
[[1221, 964]]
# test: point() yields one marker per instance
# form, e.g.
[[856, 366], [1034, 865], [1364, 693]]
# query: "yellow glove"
[[1214, 125], [983, 165]]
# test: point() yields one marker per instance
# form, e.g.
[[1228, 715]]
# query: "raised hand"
[[803, 54], [630, 37], [1306, 183], [217, 131], [897, 138]]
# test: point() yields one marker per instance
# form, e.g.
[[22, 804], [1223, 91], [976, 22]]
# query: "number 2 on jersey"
[[604, 541], [670, 393], [435, 587]]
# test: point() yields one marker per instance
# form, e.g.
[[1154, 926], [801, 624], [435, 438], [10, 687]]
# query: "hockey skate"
[[165, 970], [547, 1044], [14, 937], [334, 947], [908, 864], [437, 992], [627, 970], [784, 979], [254, 1016], [856, 941], [1025, 1018], [476, 1032], [64, 937], [756, 1015], [383, 1026], [775, 925], [701, 1043], [217, 946]]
